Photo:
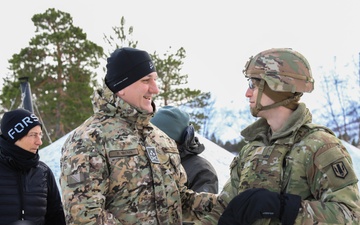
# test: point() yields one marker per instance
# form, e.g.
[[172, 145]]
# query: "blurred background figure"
[[175, 123]]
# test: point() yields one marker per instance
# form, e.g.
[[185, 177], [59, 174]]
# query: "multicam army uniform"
[[301, 159], [119, 169]]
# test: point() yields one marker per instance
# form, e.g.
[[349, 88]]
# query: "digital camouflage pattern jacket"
[[303, 159], [116, 168]]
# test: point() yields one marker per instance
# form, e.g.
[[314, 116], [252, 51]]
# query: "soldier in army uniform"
[[117, 168], [291, 171]]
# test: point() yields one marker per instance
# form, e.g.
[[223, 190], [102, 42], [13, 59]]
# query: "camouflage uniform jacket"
[[303, 159], [116, 168]]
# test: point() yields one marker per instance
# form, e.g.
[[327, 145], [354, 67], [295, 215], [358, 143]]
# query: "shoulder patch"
[[77, 178], [339, 169]]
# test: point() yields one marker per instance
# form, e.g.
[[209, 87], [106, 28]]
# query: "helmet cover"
[[283, 69]]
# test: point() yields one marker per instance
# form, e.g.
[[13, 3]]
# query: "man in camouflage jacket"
[[116, 167], [291, 171]]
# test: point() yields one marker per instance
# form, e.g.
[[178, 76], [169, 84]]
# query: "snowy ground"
[[219, 157]]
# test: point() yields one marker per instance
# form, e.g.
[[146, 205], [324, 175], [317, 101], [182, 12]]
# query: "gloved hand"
[[259, 203]]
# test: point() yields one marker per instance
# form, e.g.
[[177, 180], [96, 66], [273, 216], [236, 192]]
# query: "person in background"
[[116, 167], [291, 171], [29, 193], [175, 123]]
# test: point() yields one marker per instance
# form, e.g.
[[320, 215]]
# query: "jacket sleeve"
[[228, 192], [194, 205], [333, 184], [84, 183], [54, 211]]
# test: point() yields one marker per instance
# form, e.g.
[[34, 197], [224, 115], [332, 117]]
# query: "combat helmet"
[[283, 69]]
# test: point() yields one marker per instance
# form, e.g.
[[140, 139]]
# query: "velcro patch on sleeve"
[[339, 169], [123, 153], [76, 178]]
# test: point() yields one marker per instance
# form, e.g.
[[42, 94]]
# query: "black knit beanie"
[[17, 123], [126, 66]]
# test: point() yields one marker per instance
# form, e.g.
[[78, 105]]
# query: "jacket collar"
[[260, 129]]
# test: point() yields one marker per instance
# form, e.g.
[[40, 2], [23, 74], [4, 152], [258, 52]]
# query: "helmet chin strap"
[[259, 107]]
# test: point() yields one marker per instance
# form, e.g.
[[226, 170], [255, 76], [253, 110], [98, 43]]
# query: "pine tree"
[[60, 63]]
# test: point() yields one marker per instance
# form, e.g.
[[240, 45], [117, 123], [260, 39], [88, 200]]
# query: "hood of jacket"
[[192, 148], [106, 103]]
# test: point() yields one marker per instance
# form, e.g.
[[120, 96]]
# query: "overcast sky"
[[218, 36]]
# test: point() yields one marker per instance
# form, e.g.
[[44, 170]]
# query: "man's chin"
[[149, 109], [254, 112]]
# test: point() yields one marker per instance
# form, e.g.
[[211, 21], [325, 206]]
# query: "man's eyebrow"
[[34, 132], [151, 76]]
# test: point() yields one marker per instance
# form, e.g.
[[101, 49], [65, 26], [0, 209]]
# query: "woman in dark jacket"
[[28, 190]]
